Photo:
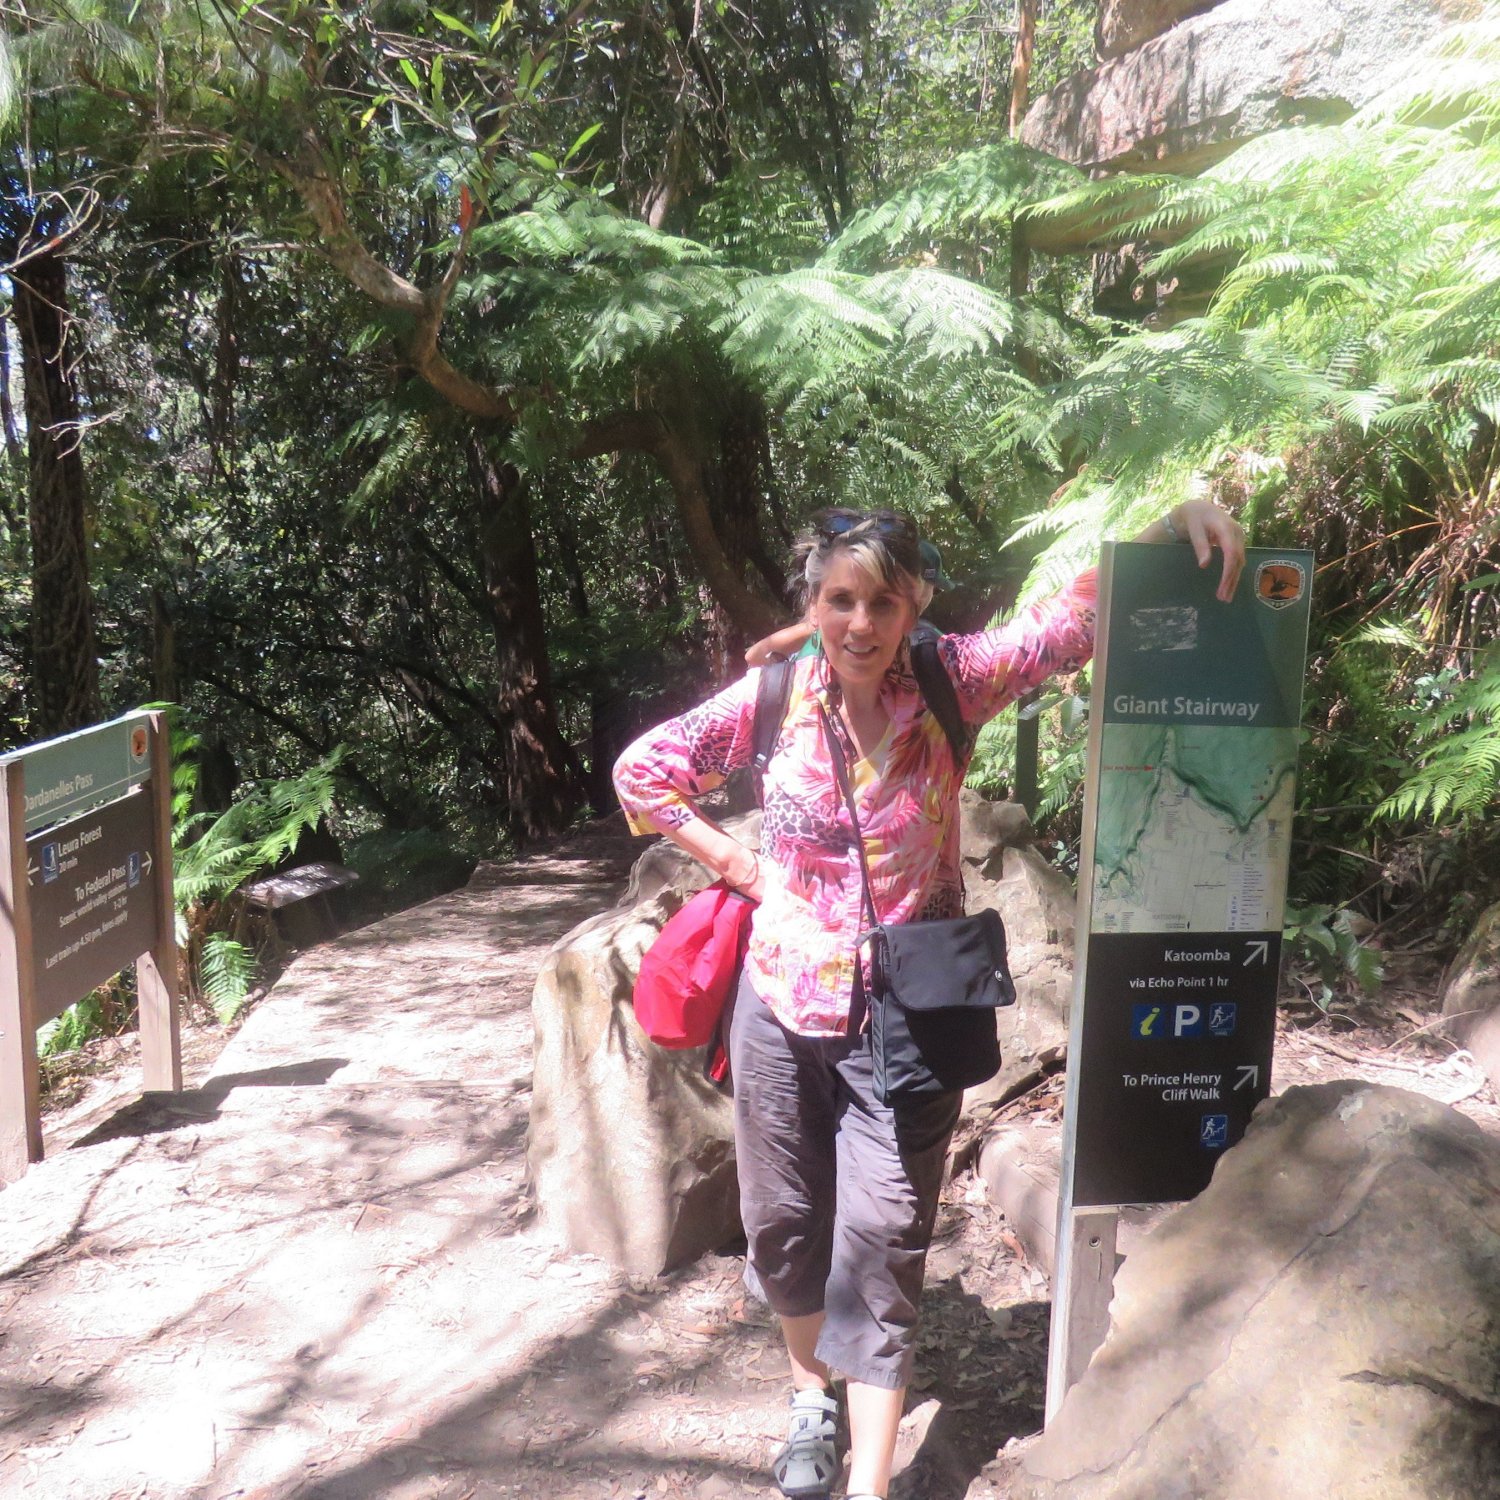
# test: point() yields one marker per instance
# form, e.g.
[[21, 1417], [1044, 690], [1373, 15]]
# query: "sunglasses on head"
[[888, 528]]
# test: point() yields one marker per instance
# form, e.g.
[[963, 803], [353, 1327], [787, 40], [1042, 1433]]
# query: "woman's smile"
[[862, 620]]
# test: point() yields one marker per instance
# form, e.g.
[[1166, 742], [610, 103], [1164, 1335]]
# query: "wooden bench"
[[297, 901]]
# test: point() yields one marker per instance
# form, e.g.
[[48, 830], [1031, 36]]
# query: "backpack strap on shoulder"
[[772, 695], [937, 689]]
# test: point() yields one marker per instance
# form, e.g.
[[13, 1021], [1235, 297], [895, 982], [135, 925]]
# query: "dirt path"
[[317, 1273]]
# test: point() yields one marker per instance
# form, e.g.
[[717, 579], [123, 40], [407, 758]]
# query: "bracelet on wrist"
[[753, 876], [1173, 531]]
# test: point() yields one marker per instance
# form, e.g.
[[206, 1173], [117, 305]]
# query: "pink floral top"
[[801, 955]]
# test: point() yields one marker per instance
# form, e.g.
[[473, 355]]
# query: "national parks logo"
[[1279, 584]]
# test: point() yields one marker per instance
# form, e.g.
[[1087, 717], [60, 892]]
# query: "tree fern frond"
[[984, 186]]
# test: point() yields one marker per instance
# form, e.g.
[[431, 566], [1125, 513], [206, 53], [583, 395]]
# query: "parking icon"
[[1213, 1132], [1187, 1020]]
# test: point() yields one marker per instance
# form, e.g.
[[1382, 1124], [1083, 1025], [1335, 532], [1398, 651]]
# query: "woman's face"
[[862, 620]]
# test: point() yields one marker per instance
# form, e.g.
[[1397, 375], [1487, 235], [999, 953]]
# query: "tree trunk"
[[13, 445], [163, 650], [608, 704], [64, 666], [543, 788], [1020, 64], [681, 451], [742, 488]]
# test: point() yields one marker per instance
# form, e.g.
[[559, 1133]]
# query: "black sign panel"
[[93, 901], [1176, 1055]]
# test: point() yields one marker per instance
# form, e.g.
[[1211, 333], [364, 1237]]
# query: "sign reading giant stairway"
[[1193, 758]]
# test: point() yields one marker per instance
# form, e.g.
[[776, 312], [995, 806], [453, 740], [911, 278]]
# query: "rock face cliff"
[[1183, 83]]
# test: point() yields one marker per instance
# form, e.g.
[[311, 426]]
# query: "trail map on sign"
[[1194, 828]]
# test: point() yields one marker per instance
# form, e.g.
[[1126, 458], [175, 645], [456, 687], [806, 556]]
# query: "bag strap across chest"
[[774, 693]]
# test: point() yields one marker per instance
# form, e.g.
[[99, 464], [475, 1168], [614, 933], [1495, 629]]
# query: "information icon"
[[1146, 1021]]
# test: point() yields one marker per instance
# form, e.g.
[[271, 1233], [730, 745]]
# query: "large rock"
[[1002, 869], [1188, 97], [1124, 24], [1322, 1320], [630, 1149], [1471, 993]]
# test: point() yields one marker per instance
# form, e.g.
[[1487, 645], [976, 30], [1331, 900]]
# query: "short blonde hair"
[[882, 544]]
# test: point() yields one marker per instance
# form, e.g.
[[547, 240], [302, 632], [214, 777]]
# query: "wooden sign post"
[[85, 890]]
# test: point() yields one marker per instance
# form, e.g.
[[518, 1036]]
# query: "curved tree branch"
[[647, 432], [315, 185]]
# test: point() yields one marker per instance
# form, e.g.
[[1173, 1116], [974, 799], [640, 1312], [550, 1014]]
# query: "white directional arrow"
[[147, 862], [1249, 1076], [1259, 952], [30, 871]]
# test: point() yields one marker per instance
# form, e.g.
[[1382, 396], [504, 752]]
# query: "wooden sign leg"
[[20, 1085], [1081, 1296], [156, 971]]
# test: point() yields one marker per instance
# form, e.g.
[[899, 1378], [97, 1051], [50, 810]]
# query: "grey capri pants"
[[838, 1192]]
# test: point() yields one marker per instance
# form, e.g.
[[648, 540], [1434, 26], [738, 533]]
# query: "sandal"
[[809, 1462]]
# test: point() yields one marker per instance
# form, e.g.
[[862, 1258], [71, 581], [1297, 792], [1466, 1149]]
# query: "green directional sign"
[[1182, 874], [68, 775], [1193, 760]]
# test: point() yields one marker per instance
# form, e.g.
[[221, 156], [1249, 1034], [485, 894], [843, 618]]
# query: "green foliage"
[[1357, 294], [226, 971], [1455, 742], [787, 233], [215, 856], [976, 193], [1063, 747], [78, 1025], [406, 865], [1319, 938]]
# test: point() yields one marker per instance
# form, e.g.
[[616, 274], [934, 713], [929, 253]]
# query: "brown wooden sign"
[[94, 903], [82, 899]]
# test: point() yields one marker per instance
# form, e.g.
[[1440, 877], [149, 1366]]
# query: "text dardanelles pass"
[[1186, 708]]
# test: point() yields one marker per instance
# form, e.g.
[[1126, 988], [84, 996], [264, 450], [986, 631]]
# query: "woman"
[[839, 1192]]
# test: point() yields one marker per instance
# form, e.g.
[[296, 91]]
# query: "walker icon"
[[132, 869], [1213, 1133], [51, 867], [1221, 1018]]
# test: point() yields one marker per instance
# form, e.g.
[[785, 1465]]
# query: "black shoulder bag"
[[932, 987]]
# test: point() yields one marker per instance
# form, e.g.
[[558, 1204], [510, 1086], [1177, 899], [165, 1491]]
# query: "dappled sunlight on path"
[[318, 1274]]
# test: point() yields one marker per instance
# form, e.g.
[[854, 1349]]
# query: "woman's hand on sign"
[[1207, 527]]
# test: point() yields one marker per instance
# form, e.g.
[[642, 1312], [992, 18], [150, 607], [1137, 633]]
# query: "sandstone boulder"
[[1322, 1320], [1124, 24], [1471, 993], [630, 1149], [1185, 99], [1003, 870]]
